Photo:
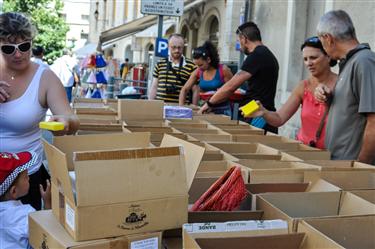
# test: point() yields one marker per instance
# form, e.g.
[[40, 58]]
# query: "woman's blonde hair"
[[15, 24]]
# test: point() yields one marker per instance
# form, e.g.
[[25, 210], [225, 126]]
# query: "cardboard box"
[[212, 137], [341, 165], [137, 112], [135, 197], [248, 150], [368, 195], [273, 171], [46, 232], [264, 139], [195, 232], [172, 239], [350, 180], [340, 232], [279, 241], [310, 154], [296, 206]]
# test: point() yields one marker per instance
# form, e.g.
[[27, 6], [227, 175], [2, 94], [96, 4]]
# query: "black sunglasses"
[[9, 49], [313, 39], [198, 53]]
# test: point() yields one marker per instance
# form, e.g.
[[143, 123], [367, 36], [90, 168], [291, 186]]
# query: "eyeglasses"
[[10, 49]]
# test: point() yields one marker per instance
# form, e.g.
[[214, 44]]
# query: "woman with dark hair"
[[210, 74], [313, 113]]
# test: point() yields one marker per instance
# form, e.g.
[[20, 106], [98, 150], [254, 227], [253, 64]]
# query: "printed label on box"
[[70, 216], [151, 243], [235, 226]]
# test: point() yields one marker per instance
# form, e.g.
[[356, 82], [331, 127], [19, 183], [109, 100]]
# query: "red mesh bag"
[[226, 194]]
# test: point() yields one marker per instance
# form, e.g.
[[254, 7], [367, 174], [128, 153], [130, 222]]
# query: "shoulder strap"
[[199, 73], [221, 72], [321, 124]]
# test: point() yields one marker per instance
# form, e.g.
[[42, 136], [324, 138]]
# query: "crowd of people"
[[338, 111]]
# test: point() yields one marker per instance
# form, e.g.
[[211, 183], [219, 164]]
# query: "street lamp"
[[96, 13]]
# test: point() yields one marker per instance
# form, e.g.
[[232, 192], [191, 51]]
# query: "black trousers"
[[33, 197]]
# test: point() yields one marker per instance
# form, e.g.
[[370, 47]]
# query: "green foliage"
[[45, 15]]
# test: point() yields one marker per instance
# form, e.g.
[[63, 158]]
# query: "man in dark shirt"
[[260, 69]]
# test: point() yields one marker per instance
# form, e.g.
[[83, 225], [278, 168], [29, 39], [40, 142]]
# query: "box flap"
[[314, 238], [282, 241], [70, 144], [349, 232], [299, 205], [368, 195], [193, 155], [129, 175], [130, 109], [59, 169], [351, 204]]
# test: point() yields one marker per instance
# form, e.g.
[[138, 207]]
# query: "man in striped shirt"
[[170, 74]]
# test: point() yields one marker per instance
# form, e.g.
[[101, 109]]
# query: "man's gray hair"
[[338, 24]]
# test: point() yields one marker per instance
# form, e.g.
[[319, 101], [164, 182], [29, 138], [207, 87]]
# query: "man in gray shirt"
[[350, 133]]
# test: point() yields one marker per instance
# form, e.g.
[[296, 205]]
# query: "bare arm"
[[290, 107], [367, 153], [154, 88], [227, 73], [187, 87], [226, 90], [196, 97], [55, 99]]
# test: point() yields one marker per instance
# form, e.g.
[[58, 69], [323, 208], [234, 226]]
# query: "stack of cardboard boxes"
[[130, 186]]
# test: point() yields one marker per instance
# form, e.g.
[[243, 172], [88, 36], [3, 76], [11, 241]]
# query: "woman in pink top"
[[319, 64]]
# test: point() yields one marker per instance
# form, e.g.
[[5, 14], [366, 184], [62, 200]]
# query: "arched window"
[[129, 53], [214, 31], [185, 34]]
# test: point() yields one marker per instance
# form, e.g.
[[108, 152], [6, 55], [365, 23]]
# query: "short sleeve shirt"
[[353, 97], [171, 80], [264, 70]]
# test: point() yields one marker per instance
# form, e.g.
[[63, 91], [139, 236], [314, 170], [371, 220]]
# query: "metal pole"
[[154, 58]]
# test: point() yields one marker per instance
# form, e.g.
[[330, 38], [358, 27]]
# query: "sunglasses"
[[10, 49], [198, 53], [313, 39]]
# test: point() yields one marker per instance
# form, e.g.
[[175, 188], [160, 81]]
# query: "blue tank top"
[[210, 85]]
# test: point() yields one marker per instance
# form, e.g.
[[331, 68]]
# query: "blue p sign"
[[161, 48]]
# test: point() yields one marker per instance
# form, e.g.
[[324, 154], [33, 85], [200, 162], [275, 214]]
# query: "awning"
[[153, 30], [126, 29], [89, 48]]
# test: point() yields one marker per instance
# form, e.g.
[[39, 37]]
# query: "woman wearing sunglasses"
[[210, 74], [313, 113], [27, 90]]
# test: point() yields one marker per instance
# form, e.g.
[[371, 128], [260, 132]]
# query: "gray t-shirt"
[[353, 97]]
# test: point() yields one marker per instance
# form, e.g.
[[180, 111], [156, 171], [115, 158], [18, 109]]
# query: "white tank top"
[[19, 122]]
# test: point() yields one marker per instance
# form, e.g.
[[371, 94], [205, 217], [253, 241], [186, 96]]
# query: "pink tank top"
[[311, 115]]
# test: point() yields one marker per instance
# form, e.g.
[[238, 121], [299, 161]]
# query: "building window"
[[84, 36], [214, 31], [85, 17]]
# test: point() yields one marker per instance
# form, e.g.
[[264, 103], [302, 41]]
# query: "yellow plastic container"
[[249, 108], [52, 126]]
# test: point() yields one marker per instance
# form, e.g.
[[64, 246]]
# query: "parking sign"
[[161, 48]]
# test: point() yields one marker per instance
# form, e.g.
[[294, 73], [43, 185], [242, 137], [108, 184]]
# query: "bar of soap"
[[249, 108], [52, 126]]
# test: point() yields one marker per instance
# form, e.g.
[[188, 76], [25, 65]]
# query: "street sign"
[[161, 48], [162, 7]]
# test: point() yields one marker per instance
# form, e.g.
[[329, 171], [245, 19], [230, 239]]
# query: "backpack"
[[221, 72]]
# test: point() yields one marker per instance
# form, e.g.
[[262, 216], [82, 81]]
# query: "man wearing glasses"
[[350, 132], [171, 74], [260, 69]]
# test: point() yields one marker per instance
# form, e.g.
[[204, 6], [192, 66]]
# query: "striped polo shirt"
[[172, 80]]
